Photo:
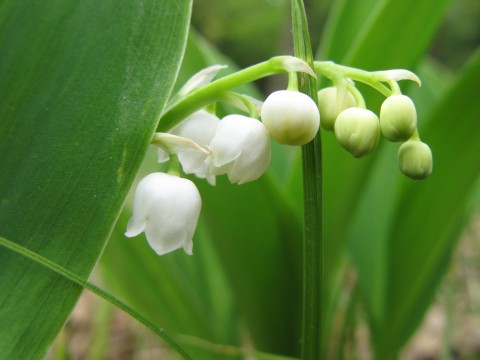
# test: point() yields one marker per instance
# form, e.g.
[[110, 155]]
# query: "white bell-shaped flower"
[[291, 118], [199, 127], [240, 149], [167, 208]]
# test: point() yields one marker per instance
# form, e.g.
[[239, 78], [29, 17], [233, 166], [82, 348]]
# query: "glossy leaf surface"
[[82, 88]]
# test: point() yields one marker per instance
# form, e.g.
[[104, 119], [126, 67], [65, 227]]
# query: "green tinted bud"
[[357, 130], [330, 106], [398, 118], [415, 159], [291, 118]]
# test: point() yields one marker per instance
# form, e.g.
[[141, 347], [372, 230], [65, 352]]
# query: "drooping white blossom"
[[166, 208], [199, 127], [240, 149], [291, 117]]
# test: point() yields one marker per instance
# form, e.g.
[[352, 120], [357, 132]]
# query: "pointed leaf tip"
[[294, 64], [201, 78], [397, 75], [175, 144]]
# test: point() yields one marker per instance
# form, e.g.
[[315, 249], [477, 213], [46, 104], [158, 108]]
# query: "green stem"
[[174, 167], [76, 279], [312, 190], [242, 102], [395, 88], [212, 92], [335, 71], [357, 95]]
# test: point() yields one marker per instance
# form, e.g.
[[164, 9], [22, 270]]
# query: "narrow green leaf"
[[312, 199], [82, 85]]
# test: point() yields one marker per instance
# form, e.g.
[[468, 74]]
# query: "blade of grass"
[[76, 279], [312, 188]]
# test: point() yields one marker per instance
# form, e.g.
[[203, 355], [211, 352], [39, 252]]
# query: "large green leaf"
[[82, 88]]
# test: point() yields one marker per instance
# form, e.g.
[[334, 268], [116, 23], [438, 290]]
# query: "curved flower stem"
[[212, 92], [334, 71], [174, 165], [312, 194], [357, 95]]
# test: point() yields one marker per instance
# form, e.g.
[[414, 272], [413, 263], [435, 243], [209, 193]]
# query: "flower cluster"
[[358, 129], [167, 207]]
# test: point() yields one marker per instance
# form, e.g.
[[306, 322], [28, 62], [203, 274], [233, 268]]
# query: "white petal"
[[188, 246], [135, 227], [142, 203], [240, 148], [200, 127], [227, 143], [254, 159]]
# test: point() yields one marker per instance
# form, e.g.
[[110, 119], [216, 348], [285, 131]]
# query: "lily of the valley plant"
[[167, 207]]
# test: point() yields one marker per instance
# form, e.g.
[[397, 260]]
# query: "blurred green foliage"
[[223, 23]]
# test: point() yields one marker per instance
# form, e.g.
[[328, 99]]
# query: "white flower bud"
[[357, 130], [167, 208], [415, 159], [240, 149], [398, 118], [200, 127], [292, 118], [331, 105]]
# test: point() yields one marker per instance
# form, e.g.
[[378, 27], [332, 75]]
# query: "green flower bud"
[[398, 118], [330, 106], [291, 118], [415, 159], [357, 130]]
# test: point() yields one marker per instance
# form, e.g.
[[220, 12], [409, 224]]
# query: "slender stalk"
[[312, 189], [335, 71], [214, 91], [76, 279]]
